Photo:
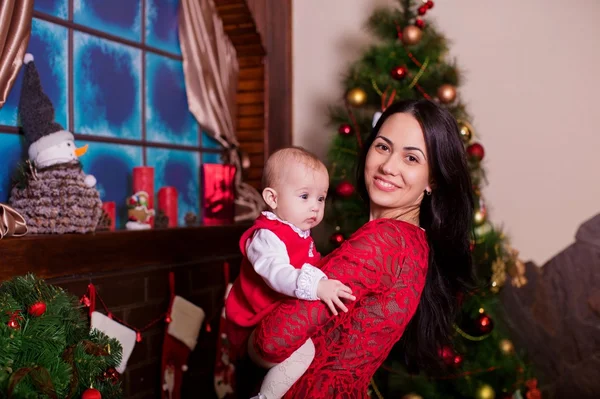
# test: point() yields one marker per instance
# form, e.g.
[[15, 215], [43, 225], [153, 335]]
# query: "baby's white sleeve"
[[268, 255]]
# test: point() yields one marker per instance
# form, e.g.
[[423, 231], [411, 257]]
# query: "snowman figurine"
[[75, 207], [50, 144]]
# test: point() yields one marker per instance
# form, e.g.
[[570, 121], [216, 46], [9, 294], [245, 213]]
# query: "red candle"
[[167, 202], [143, 180], [110, 209]]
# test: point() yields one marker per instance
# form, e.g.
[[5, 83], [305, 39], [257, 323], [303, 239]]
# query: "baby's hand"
[[330, 292]]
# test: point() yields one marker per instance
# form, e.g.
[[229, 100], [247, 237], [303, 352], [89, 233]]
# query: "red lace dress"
[[385, 264]]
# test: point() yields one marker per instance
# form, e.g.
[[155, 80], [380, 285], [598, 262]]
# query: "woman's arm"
[[369, 262]]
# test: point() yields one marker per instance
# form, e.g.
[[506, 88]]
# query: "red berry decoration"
[[420, 23], [399, 72], [422, 10], [85, 301], [345, 129], [476, 151], [14, 324], [447, 355], [429, 5], [337, 238], [91, 393], [484, 323], [37, 309], [345, 189], [457, 361]]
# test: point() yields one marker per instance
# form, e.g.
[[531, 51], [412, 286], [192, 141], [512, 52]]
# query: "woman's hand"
[[331, 292]]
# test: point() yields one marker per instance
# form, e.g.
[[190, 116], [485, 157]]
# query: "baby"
[[279, 255]]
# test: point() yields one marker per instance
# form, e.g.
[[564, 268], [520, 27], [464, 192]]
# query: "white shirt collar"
[[272, 216]]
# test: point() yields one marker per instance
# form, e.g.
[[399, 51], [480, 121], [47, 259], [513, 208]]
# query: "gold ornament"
[[516, 269], [482, 231], [446, 93], [356, 97], [485, 392], [498, 274], [465, 130], [245, 160], [412, 396], [506, 347], [479, 217], [411, 35]]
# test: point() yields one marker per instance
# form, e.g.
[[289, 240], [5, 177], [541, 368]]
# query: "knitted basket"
[[57, 201]]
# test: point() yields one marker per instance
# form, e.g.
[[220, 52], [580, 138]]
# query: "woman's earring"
[[428, 192]]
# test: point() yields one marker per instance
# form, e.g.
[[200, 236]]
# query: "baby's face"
[[301, 195]]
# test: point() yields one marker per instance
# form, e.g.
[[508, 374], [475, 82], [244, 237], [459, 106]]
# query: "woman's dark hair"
[[446, 215]]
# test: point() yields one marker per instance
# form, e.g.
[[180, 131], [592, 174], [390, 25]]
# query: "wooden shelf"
[[50, 256]]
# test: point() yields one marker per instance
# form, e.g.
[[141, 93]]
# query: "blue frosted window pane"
[[11, 154], [179, 169], [106, 80], [112, 165], [168, 119], [49, 46], [162, 25]]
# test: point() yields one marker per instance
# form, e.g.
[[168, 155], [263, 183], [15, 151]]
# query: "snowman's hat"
[[37, 113]]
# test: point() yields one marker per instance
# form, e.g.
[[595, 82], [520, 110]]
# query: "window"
[[113, 71]]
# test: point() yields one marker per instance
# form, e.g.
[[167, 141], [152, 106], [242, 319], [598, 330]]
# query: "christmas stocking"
[[180, 339], [224, 368], [124, 335]]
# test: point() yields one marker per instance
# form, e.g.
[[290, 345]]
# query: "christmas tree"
[[47, 348], [410, 62]]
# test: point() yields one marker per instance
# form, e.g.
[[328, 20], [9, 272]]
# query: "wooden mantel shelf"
[[49, 256]]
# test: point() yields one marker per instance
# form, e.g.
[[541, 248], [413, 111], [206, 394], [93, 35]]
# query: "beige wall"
[[532, 85]]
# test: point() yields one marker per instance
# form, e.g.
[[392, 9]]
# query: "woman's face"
[[396, 168]]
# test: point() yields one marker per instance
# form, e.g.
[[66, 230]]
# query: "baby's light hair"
[[285, 157]]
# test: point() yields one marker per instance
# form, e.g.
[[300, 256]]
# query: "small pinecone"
[[191, 219], [161, 221], [104, 222]]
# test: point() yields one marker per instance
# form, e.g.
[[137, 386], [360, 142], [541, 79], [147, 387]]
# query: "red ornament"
[[429, 5], [422, 10], [85, 301], [345, 129], [484, 323], [399, 72], [91, 393], [138, 337], [14, 324], [420, 23], [337, 238], [447, 355], [37, 309], [457, 361], [345, 189], [476, 151], [113, 375], [168, 319]]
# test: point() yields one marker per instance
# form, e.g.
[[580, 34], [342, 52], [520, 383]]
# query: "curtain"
[[211, 70], [15, 29]]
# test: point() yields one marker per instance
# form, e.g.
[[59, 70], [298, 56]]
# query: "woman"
[[406, 266]]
